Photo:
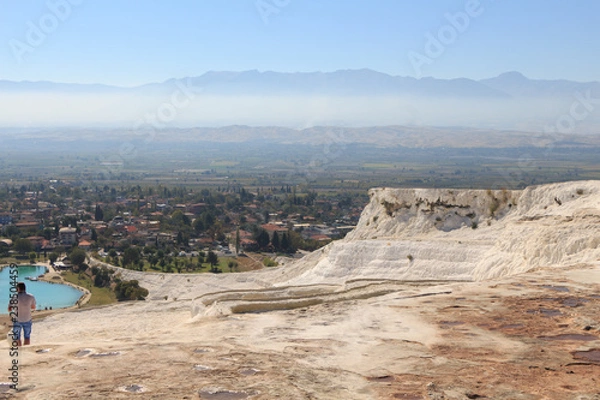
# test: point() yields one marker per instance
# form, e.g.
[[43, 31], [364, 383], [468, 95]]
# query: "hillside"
[[428, 235], [354, 321], [435, 234]]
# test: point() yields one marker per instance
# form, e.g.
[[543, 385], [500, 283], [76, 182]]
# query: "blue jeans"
[[26, 326]]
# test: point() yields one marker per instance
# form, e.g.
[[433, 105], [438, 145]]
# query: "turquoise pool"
[[46, 294]]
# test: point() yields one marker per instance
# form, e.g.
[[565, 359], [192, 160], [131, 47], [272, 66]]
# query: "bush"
[[102, 277], [53, 257], [130, 290], [77, 256], [232, 265], [268, 262]]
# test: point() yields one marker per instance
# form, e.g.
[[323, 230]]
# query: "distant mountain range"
[[363, 82]]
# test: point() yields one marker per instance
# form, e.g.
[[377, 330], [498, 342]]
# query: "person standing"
[[25, 304]]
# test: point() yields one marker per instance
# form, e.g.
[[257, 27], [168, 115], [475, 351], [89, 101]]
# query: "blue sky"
[[131, 42]]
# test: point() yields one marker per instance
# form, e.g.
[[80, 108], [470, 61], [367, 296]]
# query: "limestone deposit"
[[436, 234], [437, 294]]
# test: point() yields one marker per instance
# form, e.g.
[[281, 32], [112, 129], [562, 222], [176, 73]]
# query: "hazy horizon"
[[139, 43], [51, 110]]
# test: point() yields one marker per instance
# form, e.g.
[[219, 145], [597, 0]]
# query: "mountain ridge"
[[341, 82]]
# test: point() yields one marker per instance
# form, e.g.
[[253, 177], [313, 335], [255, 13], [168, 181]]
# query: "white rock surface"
[[436, 234], [364, 335], [427, 234]]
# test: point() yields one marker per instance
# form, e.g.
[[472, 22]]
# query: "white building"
[[67, 236]]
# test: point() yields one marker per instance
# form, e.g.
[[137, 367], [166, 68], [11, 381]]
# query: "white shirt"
[[26, 302]]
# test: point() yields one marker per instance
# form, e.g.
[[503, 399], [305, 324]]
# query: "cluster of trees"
[[130, 290], [23, 246], [285, 244], [105, 278], [102, 277], [135, 258]]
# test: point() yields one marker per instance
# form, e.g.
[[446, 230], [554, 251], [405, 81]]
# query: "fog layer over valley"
[[344, 98], [109, 110]]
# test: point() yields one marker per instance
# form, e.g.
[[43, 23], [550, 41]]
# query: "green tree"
[[59, 250], [262, 239], [213, 260], [130, 290], [131, 256], [310, 198], [11, 231], [237, 240], [285, 243], [152, 260], [52, 257], [178, 218], [275, 241], [83, 267], [77, 256], [232, 265], [23, 246], [101, 277], [296, 241], [198, 225], [149, 250], [47, 233], [32, 257], [99, 214], [208, 219]]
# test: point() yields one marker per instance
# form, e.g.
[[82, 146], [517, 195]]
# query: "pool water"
[[46, 294]]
